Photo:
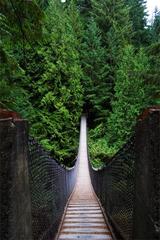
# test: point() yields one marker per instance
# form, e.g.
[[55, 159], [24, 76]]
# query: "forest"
[[62, 59]]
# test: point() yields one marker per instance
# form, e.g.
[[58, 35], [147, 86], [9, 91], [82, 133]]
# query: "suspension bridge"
[[43, 200], [84, 218]]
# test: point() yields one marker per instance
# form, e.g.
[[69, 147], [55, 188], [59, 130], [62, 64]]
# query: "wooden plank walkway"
[[83, 217]]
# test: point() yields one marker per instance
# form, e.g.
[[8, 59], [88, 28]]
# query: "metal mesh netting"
[[114, 185], [129, 185], [48, 187], [51, 185]]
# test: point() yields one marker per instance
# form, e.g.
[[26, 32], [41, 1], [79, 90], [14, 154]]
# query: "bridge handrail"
[[105, 188], [34, 188], [54, 159], [128, 185], [60, 181]]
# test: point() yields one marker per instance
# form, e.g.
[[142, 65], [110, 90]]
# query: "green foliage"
[[43, 4], [131, 95], [41, 79], [132, 72], [138, 18], [106, 33], [156, 27], [95, 71], [112, 18], [153, 52], [153, 76], [57, 59], [23, 18], [99, 149], [14, 27], [54, 79], [12, 95], [85, 7]]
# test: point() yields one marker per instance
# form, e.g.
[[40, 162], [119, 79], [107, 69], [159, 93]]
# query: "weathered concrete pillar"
[[15, 202], [147, 190]]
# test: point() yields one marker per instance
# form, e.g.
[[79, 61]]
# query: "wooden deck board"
[[84, 237]]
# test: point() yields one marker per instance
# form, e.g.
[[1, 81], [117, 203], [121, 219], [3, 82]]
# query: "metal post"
[[146, 223], [15, 202]]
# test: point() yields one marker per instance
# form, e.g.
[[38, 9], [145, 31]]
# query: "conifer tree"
[[112, 19], [84, 7], [18, 25], [96, 90], [80, 54], [153, 52], [138, 17], [43, 4], [54, 72], [131, 95], [156, 27]]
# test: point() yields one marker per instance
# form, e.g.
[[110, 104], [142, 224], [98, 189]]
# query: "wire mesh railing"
[[51, 185], [34, 188], [114, 186], [129, 187]]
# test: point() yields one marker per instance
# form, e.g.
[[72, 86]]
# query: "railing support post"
[[15, 202], [146, 224]]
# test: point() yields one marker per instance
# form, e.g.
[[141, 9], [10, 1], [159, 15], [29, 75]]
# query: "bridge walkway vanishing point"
[[83, 218]]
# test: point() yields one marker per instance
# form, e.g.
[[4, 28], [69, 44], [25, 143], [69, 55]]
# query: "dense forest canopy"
[[60, 59]]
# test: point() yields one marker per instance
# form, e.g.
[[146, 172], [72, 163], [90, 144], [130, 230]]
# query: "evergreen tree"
[[43, 4], [94, 73], [84, 7], [156, 27], [153, 52], [112, 20], [138, 17], [54, 79], [80, 54], [16, 22], [73, 16], [41, 78], [24, 19], [131, 95], [153, 75]]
